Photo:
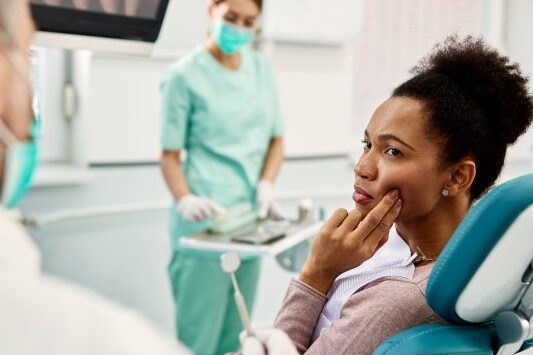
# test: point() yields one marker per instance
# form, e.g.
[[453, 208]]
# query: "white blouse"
[[390, 260]]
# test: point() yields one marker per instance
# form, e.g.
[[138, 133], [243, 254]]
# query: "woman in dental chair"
[[429, 151]]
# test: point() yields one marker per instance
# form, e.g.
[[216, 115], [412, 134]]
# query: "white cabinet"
[[185, 26], [313, 21]]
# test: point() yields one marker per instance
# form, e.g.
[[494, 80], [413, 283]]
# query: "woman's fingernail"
[[395, 193], [399, 203]]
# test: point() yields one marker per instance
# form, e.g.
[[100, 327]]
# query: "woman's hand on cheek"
[[347, 240]]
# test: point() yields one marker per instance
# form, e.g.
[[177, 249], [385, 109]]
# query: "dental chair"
[[482, 283]]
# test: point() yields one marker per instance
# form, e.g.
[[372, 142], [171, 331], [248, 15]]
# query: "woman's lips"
[[361, 196]]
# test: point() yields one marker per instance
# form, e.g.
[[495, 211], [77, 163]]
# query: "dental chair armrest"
[[440, 339], [528, 344]]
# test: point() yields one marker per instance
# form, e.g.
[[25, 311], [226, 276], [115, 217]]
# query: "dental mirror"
[[230, 263]]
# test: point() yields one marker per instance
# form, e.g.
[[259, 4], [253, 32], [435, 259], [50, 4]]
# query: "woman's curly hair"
[[477, 104]]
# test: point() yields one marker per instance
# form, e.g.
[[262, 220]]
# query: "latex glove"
[[195, 209], [267, 342], [267, 201]]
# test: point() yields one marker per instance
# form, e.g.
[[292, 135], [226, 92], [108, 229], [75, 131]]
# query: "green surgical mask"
[[19, 166], [229, 38]]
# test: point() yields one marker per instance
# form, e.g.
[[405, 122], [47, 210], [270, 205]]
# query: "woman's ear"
[[461, 178]]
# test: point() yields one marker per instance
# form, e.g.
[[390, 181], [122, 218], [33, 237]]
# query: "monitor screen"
[[121, 19]]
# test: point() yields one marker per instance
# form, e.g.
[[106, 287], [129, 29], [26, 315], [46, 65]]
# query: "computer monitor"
[[137, 21]]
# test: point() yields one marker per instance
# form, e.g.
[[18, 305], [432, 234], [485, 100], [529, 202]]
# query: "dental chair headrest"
[[483, 269]]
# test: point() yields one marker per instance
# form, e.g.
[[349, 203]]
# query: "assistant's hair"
[[477, 104], [259, 3]]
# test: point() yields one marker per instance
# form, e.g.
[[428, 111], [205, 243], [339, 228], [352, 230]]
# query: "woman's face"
[[399, 154], [241, 13]]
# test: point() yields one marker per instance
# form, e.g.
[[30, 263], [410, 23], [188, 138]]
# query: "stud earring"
[[445, 193]]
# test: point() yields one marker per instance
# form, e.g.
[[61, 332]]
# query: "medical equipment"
[[132, 30], [306, 210], [287, 240], [234, 219], [243, 225], [230, 263], [261, 236], [294, 233]]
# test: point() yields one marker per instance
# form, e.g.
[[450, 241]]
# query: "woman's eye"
[[393, 152], [366, 144], [230, 18]]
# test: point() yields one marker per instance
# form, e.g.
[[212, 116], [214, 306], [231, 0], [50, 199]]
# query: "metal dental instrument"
[[230, 263]]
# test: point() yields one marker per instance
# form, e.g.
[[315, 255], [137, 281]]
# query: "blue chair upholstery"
[[528, 344], [441, 339], [482, 283]]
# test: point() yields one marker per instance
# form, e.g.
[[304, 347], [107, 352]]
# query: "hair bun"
[[494, 83]]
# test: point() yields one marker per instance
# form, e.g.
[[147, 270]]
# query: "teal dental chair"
[[482, 283]]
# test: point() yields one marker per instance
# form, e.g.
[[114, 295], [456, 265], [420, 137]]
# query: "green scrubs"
[[225, 120]]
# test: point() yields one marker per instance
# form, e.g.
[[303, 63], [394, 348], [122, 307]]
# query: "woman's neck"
[[232, 61], [430, 233]]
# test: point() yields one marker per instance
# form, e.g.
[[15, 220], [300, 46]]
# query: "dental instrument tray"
[[261, 237]]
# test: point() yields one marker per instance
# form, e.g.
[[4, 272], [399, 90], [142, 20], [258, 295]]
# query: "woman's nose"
[[365, 169]]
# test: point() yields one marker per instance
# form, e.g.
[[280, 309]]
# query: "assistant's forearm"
[[173, 175], [273, 159]]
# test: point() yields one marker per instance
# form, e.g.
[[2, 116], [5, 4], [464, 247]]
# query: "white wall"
[[396, 35], [316, 95], [518, 34], [313, 21], [123, 109]]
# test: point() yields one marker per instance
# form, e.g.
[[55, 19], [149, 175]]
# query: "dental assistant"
[[219, 104]]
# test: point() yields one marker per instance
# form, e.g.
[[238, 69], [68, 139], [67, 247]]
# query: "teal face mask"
[[230, 38], [19, 167]]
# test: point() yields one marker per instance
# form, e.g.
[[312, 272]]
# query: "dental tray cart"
[[263, 238]]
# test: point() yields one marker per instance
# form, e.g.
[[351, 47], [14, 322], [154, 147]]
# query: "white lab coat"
[[43, 315]]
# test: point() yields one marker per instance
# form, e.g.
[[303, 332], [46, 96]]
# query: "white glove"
[[267, 200], [275, 341], [195, 209]]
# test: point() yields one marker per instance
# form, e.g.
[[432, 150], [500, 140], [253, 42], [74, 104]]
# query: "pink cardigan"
[[371, 315]]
